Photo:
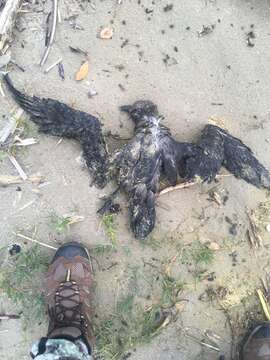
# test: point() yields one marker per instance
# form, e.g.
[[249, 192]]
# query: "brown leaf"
[[106, 33], [83, 71], [212, 246], [179, 306]]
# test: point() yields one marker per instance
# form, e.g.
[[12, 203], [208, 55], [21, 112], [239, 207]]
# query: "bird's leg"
[[108, 205]]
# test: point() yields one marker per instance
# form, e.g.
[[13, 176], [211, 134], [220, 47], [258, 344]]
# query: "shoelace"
[[75, 318]]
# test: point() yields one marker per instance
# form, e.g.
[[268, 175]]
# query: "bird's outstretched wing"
[[56, 118], [207, 157], [241, 162], [216, 148]]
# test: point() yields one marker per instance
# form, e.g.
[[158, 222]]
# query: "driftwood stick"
[[8, 317], [35, 241], [52, 33], [6, 180], [7, 19], [186, 185]]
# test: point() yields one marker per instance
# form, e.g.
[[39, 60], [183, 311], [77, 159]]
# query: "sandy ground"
[[162, 58]]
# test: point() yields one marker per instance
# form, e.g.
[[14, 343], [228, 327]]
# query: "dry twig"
[[35, 241], [18, 167], [53, 65], [253, 233], [7, 19], [8, 317], [6, 180], [186, 185], [52, 33]]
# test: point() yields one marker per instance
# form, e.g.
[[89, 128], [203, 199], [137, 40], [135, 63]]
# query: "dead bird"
[[56, 118], [139, 164], [152, 153]]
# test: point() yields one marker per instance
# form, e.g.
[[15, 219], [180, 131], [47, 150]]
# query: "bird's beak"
[[126, 108]]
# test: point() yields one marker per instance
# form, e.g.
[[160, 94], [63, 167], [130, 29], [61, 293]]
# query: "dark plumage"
[[139, 164], [56, 118], [152, 153], [216, 148]]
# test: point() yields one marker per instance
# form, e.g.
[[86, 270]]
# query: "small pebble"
[[91, 93], [14, 249]]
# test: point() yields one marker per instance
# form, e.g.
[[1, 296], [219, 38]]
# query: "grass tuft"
[[60, 223], [198, 254], [135, 321], [110, 227], [129, 326], [20, 281], [102, 250]]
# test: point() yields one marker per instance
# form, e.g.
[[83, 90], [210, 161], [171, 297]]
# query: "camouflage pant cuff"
[[61, 349]]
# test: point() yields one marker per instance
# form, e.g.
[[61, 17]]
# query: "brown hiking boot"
[[257, 346], [68, 296]]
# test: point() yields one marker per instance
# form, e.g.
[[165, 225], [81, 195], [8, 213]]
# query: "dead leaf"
[[180, 306], [214, 120], [165, 323], [106, 33], [83, 71], [212, 246]]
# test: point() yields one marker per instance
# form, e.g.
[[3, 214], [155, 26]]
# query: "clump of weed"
[[3, 155], [153, 242], [20, 281], [198, 254], [171, 289], [110, 227], [62, 223], [203, 255], [129, 326], [102, 250], [134, 320], [26, 128]]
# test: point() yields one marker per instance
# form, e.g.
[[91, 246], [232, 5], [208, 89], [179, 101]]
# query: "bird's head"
[[140, 109]]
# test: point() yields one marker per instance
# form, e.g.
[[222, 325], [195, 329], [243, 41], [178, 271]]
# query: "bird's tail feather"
[[142, 211], [32, 105]]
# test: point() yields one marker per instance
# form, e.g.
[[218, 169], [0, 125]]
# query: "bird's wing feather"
[[215, 148], [208, 155], [56, 118], [241, 162], [174, 157]]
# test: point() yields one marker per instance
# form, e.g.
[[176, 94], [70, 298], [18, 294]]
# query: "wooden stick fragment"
[[264, 304], [52, 33], [186, 185], [35, 241], [8, 317], [6, 180], [2, 91], [53, 65], [18, 167], [7, 20], [7, 130], [254, 231]]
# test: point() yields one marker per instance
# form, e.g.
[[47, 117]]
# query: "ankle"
[[69, 331]]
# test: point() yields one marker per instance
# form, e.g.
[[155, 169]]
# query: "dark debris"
[[206, 30], [14, 249], [168, 7], [250, 38]]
